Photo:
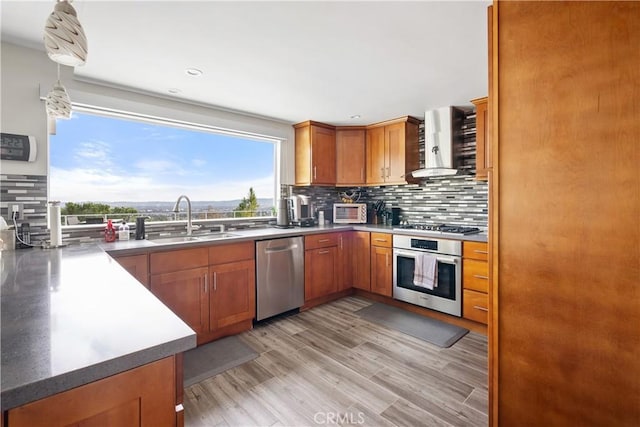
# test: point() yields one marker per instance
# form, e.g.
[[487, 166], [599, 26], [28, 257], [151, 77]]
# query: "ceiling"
[[292, 61]]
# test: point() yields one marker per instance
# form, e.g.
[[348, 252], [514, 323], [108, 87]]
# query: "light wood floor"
[[326, 366]]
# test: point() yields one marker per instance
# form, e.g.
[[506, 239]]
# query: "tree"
[[71, 208], [248, 206], [122, 209], [79, 209]]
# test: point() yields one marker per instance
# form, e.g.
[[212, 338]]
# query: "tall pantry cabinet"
[[565, 203]]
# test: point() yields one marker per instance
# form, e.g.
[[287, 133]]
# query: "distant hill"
[[196, 206]]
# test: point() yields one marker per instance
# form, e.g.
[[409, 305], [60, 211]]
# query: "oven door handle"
[[412, 254]]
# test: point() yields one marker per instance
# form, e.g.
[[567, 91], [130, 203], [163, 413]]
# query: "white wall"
[[21, 110], [23, 70]]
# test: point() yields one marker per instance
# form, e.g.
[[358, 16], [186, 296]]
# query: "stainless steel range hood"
[[442, 134]]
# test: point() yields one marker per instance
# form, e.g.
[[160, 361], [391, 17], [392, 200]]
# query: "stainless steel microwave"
[[350, 213]]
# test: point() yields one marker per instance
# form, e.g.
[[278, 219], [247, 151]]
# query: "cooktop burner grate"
[[440, 228]]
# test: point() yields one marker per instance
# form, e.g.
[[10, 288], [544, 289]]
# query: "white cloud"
[[95, 152], [198, 162], [157, 166], [79, 185]]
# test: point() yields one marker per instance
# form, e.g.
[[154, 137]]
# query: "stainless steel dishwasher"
[[280, 276]]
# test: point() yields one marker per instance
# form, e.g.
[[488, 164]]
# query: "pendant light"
[[58, 103], [64, 37]]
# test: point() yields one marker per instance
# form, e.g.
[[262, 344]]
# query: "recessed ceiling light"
[[174, 90], [355, 116], [193, 72]]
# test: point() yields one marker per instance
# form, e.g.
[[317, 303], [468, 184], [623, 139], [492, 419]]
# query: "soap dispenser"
[[123, 231], [109, 232]]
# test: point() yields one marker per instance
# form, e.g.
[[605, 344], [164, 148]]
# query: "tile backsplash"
[[455, 200], [31, 192]]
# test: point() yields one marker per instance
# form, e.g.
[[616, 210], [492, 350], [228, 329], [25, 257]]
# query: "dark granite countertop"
[[71, 316], [132, 247]]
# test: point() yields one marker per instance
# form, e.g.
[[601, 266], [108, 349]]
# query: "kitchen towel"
[[425, 272]]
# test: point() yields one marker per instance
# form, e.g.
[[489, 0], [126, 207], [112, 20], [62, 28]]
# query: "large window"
[[120, 165]]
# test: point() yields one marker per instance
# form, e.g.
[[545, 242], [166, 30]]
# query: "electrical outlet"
[[15, 211]]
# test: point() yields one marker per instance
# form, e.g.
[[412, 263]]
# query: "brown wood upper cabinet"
[[483, 115], [483, 146], [350, 156], [392, 151], [315, 153]]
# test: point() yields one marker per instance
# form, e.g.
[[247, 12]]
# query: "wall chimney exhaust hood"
[[442, 135]]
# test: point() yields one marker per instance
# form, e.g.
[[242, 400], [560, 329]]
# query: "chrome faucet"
[[176, 209]]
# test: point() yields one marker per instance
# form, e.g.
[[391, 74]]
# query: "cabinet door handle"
[[326, 251], [315, 175], [206, 277], [477, 307], [480, 252], [388, 172], [380, 240], [323, 240], [362, 174], [477, 276], [341, 247], [215, 281], [382, 173], [386, 257]]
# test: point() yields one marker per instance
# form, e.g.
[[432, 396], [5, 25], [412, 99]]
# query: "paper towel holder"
[[54, 221]]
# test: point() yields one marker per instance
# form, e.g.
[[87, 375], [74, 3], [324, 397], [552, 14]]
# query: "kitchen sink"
[[177, 239], [200, 238], [215, 236]]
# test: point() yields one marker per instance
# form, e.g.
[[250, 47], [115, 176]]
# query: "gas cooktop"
[[438, 228]]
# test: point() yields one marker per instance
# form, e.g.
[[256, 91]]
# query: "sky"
[[98, 158]]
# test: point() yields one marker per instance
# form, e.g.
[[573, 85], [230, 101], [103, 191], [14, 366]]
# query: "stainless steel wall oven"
[[446, 296]]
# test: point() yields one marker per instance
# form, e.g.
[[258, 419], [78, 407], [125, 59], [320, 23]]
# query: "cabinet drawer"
[[475, 306], [381, 239], [475, 250], [223, 254], [321, 240], [475, 275], [183, 259]]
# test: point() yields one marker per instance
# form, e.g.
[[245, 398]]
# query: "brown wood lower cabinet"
[[144, 396], [137, 266], [232, 293], [475, 306], [322, 269], [320, 272], [475, 282], [381, 264], [216, 298], [361, 256], [184, 292], [345, 260]]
